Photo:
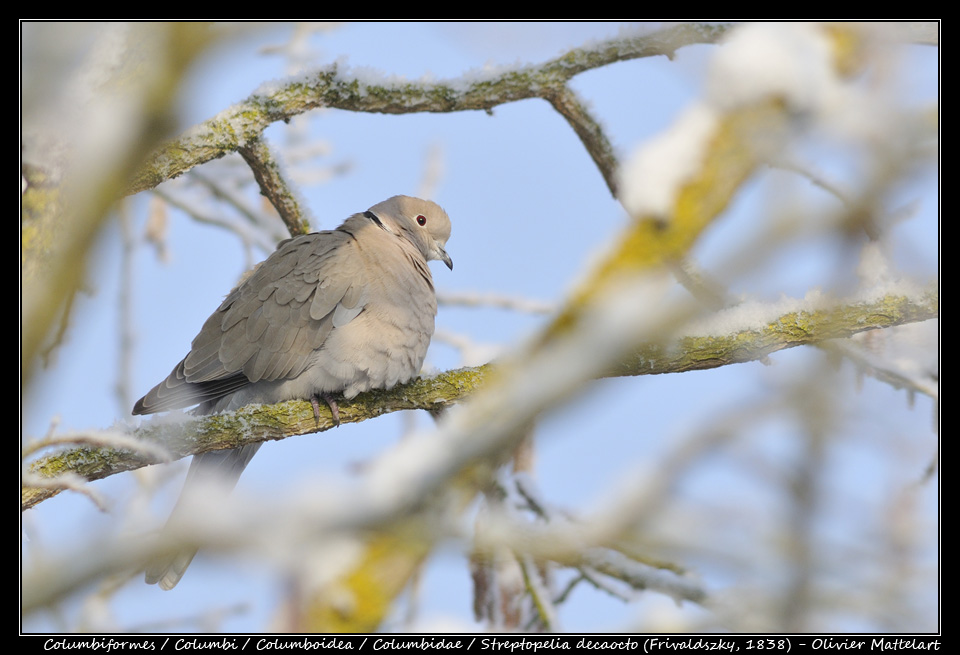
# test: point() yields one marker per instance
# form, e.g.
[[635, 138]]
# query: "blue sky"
[[528, 209]]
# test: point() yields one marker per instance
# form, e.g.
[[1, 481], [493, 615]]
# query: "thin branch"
[[218, 187], [816, 178], [499, 300], [593, 579], [613, 563], [591, 134], [545, 611], [888, 374], [642, 576], [125, 294], [65, 482], [248, 236]]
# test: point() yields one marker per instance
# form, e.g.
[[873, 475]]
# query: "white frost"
[[761, 60], [755, 315], [651, 177]]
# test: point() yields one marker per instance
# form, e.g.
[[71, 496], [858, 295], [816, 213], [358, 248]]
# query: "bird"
[[337, 311]]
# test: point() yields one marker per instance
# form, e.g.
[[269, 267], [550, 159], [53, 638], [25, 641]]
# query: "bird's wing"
[[271, 324]]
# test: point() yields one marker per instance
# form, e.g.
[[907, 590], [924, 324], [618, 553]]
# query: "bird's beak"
[[444, 257]]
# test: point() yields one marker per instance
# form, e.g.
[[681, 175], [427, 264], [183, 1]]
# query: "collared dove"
[[345, 310]]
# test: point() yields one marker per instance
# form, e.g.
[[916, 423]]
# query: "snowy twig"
[[609, 561], [888, 373], [64, 482], [642, 576], [536, 586]]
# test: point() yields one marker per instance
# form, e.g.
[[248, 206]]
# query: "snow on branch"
[[799, 326], [340, 88]]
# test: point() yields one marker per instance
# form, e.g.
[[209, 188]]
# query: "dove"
[[339, 311]]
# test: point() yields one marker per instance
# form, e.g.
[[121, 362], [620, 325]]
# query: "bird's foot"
[[331, 403]]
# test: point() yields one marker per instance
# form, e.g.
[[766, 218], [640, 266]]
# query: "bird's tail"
[[221, 466]]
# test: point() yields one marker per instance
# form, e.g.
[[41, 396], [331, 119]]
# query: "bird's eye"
[[421, 220]]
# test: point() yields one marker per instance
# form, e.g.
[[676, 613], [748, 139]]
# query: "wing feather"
[[269, 327]]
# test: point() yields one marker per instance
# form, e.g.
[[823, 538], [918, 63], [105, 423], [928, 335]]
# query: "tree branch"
[[591, 134], [245, 122], [256, 423], [274, 187]]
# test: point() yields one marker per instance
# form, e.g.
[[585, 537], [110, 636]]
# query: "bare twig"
[[591, 134]]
